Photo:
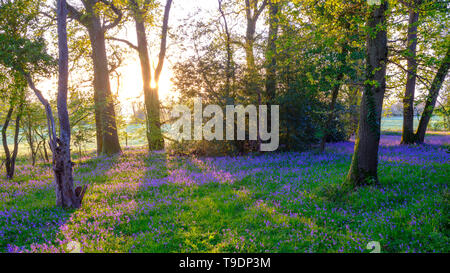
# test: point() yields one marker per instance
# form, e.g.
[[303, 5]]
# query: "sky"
[[131, 82], [130, 88]]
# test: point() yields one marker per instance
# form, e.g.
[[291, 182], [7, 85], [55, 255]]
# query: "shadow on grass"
[[30, 220]]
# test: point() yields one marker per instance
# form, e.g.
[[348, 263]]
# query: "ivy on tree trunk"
[[363, 169]]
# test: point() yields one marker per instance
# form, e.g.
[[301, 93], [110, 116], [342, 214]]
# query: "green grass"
[[275, 203], [395, 123]]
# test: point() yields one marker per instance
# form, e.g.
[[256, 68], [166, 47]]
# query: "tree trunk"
[[229, 72], [252, 73], [432, 98], [151, 99], [408, 100], [271, 60], [16, 140], [154, 113], [30, 139], [66, 196], [10, 159], [154, 136], [363, 169], [44, 147], [5, 142], [105, 116]]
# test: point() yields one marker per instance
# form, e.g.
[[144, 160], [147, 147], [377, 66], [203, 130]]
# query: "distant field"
[[392, 124], [395, 123]]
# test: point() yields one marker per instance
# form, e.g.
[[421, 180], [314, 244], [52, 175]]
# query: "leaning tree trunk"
[[10, 159], [432, 98], [408, 100], [16, 140], [363, 169], [5, 142], [66, 196]]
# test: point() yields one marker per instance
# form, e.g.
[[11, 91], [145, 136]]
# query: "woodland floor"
[[284, 202]]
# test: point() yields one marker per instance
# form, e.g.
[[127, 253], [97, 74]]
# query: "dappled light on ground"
[[283, 202]]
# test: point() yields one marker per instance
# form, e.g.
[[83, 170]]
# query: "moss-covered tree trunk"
[[363, 169]]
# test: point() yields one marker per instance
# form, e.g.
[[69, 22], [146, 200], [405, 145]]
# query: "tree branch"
[[163, 48], [261, 9], [117, 11], [421, 79], [123, 41], [75, 14], [48, 109]]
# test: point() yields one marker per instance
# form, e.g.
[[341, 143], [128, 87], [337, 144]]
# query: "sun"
[[129, 86]]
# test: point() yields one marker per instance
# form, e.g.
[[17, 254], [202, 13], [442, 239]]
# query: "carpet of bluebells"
[[282, 202]]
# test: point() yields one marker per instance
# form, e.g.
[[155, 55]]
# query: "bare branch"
[[123, 41], [48, 109], [421, 79], [261, 9], [163, 48]]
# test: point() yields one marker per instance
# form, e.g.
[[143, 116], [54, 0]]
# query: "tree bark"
[[107, 137], [354, 95], [66, 196], [229, 72], [252, 12], [271, 60], [154, 136], [105, 116], [432, 98], [30, 139], [10, 159], [408, 100], [363, 169], [5, 142]]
